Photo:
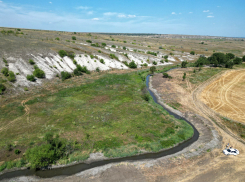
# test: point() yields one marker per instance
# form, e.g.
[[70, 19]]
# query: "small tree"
[[132, 65], [31, 62], [237, 60], [62, 53], [192, 52], [30, 78], [39, 73], [154, 62], [166, 57], [165, 75], [74, 38], [184, 76], [124, 48], [184, 64], [2, 88], [152, 69]]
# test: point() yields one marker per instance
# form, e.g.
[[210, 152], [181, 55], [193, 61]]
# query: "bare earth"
[[226, 95]]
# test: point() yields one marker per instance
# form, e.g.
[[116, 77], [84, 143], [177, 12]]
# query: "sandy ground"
[[226, 95]]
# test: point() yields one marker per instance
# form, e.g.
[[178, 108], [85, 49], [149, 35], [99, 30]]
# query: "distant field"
[[107, 115]]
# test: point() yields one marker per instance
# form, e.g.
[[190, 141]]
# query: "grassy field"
[[108, 115]]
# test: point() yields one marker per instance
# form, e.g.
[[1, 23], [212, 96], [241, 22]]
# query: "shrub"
[[165, 75], [17, 151], [154, 62], [113, 56], [89, 41], [166, 60], [26, 89], [98, 69], [229, 64], [152, 69], [184, 76], [39, 73], [184, 64], [30, 78], [99, 51], [74, 62], [102, 61], [95, 45], [77, 72], [152, 53], [124, 48], [113, 46], [145, 64], [103, 44], [73, 38], [160, 47], [18, 29], [11, 76], [125, 41], [132, 65], [31, 62], [62, 53], [162, 61], [192, 52], [5, 71], [126, 55], [2, 88], [65, 75], [57, 38], [166, 57], [71, 54], [126, 63]]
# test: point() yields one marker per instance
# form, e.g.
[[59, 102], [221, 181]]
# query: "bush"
[[103, 44], [132, 65], [30, 78], [17, 151], [39, 73], [165, 75], [62, 53], [65, 75], [113, 46], [89, 41], [31, 62], [154, 62], [160, 47], [74, 62], [166, 57], [162, 61], [95, 45], [124, 48], [2, 88], [152, 53], [102, 61], [97, 69], [229, 64], [73, 38], [184, 64], [126, 63], [113, 56], [125, 41], [11, 76], [152, 69], [145, 64], [57, 38], [184, 76], [192, 52], [99, 51], [5, 71]]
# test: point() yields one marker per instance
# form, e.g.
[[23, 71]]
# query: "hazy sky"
[[193, 17]]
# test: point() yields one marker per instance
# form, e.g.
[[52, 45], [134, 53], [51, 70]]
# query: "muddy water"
[[82, 166]]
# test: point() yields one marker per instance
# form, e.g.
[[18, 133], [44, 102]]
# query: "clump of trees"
[[219, 59]]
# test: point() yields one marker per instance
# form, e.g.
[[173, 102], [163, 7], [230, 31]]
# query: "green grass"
[[108, 115], [203, 75]]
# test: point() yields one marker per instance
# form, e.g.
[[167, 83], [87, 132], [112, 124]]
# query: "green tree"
[[237, 60], [62, 53], [2, 88], [152, 69], [184, 76], [5, 71], [184, 64], [243, 59], [230, 55], [74, 38], [192, 52], [229, 64], [132, 64], [65, 75], [30, 78], [39, 73], [103, 44]]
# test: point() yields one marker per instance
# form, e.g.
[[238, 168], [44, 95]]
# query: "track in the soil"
[[227, 95]]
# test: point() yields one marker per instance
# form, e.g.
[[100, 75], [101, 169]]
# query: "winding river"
[[82, 166]]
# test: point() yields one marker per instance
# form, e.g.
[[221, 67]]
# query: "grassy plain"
[[106, 115]]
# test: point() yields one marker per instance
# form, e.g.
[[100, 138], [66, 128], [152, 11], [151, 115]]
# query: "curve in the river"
[[82, 166]]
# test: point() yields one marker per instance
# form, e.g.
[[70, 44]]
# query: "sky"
[[190, 17]]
